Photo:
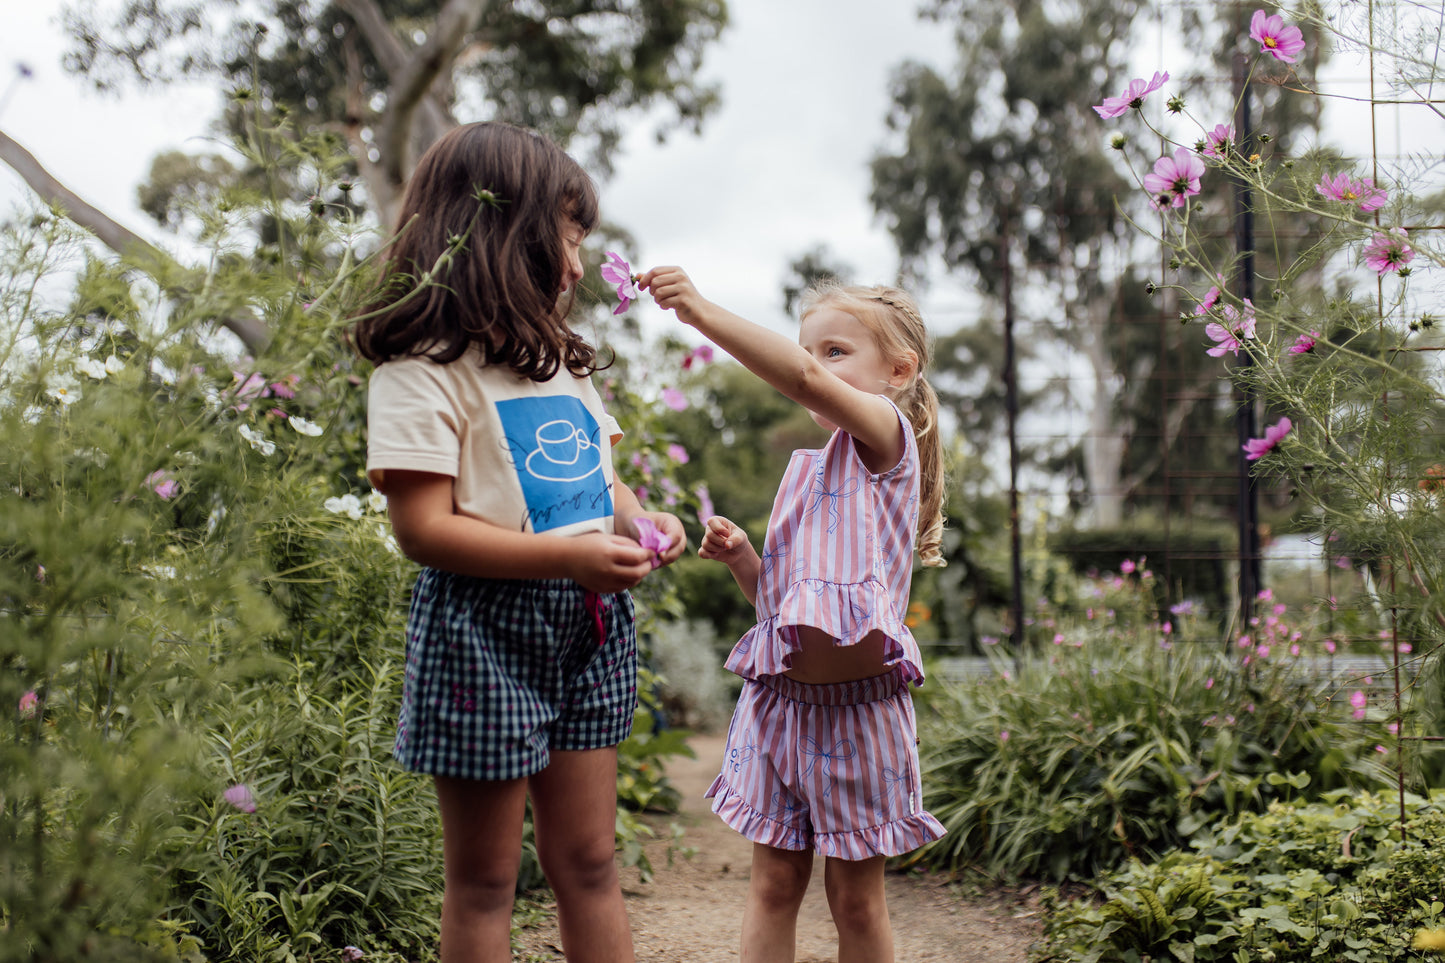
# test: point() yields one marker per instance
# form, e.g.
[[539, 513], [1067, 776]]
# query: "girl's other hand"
[[608, 563], [723, 541]]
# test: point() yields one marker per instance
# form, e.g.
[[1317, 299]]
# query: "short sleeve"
[[411, 421], [593, 400]]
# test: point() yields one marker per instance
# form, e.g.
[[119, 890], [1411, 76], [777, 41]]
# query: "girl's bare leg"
[[481, 851], [859, 905], [574, 811], [775, 892]]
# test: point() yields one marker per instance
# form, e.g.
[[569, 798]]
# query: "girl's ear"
[[905, 369]]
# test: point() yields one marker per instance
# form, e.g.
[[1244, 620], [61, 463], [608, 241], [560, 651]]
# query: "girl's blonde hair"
[[893, 318]]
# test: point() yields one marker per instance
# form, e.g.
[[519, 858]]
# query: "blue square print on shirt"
[[556, 449]]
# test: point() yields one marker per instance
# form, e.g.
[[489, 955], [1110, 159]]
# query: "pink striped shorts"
[[832, 768]]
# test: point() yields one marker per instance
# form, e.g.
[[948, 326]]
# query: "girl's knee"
[[586, 864], [781, 883]]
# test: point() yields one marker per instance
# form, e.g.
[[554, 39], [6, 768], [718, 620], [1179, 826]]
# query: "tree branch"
[[110, 232], [410, 86]]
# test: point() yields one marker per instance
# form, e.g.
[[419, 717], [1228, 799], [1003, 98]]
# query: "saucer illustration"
[[564, 453]]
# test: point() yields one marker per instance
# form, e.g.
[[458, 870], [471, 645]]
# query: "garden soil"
[[689, 911]]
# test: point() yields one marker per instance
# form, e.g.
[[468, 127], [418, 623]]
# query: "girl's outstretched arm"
[[729, 544], [782, 363], [431, 533]]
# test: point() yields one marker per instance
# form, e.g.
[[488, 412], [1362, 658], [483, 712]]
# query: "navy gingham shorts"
[[499, 672]]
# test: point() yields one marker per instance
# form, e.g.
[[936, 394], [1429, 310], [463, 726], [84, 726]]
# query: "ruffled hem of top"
[[888, 839], [846, 611]]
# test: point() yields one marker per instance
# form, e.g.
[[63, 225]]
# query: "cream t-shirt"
[[526, 456]]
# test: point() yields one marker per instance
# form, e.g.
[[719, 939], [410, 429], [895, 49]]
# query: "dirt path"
[[690, 911]]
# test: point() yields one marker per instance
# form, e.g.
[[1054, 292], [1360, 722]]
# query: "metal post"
[[1011, 406], [1246, 415]]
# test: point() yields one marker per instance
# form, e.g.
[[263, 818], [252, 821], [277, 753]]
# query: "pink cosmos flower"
[[1274, 38], [162, 484], [240, 796], [1127, 566], [1210, 299], [1219, 140], [674, 399], [650, 537], [1358, 700], [677, 453], [1133, 97], [619, 272], [701, 354], [1174, 178], [1257, 448], [1237, 328], [29, 705], [1387, 251], [286, 388], [1363, 193], [1305, 343]]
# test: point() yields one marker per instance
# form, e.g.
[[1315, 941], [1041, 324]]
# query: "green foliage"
[[1120, 739], [1298, 882], [201, 604]]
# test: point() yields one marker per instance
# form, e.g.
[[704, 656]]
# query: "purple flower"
[[29, 705], [1387, 251], [704, 504], [1219, 140], [162, 484], [1174, 178], [1305, 343], [619, 272], [1238, 327], [1274, 38], [650, 537], [1362, 192], [677, 453], [1133, 97], [240, 796], [1257, 448], [674, 399]]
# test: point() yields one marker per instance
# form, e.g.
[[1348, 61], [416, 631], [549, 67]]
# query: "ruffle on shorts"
[[848, 611], [887, 839]]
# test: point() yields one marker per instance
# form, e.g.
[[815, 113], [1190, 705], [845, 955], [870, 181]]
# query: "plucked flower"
[[1174, 178], [240, 796], [1218, 141], [1132, 97], [1280, 41], [617, 271], [1305, 343], [1362, 192], [309, 428], [1257, 448], [29, 705], [650, 537], [1387, 251], [1238, 327], [162, 484]]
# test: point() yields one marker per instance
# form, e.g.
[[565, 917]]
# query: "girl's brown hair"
[[479, 258], [892, 316]]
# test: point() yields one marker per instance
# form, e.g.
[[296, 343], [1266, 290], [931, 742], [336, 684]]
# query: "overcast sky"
[[780, 168]]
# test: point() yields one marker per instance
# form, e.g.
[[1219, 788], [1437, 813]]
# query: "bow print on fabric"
[[831, 498], [740, 756], [813, 751], [786, 808], [892, 779]]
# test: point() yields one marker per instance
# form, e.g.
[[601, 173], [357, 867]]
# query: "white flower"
[[159, 571], [376, 501], [63, 387], [348, 505], [309, 428], [93, 368], [388, 540], [258, 441], [114, 365]]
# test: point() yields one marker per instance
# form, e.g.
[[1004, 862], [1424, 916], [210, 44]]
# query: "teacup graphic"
[[561, 446]]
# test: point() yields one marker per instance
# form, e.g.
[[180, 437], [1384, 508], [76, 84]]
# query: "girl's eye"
[[835, 352]]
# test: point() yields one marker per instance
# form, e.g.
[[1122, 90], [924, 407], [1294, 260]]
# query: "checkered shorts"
[[499, 672]]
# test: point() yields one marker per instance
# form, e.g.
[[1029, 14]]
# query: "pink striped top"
[[838, 557]]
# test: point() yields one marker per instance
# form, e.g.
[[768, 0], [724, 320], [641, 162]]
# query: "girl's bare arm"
[[431, 533]]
